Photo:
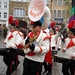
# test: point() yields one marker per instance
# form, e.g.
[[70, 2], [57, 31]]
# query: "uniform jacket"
[[54, 39], [13, 39], [69, 47], [41, 48], [58, 42]]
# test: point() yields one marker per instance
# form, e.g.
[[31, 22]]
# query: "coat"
[[41, 48]]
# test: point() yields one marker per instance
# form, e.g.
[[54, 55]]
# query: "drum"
[[62, 60]]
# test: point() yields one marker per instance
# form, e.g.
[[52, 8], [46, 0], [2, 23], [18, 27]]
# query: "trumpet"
[[30, 41]]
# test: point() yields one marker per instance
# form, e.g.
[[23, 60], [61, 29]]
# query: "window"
[[0, 4], [14, 0], [19, 0], [0, 14], [59, 13], [48, 1], [63, 14], [19, 12], [5, 15], [55, 2], [59, 2], [26, 0], [54, 13], [64, 1], [5, 4]]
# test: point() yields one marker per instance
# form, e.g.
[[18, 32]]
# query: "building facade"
[[19, 10], [60, 11], [4, 11]]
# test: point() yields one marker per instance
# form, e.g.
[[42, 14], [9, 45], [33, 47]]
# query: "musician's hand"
[[32, 46], [72, 56], [8, 50], [10, 47], [63, 50], [4, 42], [59, 49], [27, 40]]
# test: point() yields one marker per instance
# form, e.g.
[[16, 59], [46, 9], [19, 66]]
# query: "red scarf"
[[11, 36]]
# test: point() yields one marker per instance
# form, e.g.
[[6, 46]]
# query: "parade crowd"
[[40, 48]]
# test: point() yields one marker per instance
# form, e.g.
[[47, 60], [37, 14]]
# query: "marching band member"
[[36, 51], [69, 50], [54, 38], [39, 11], [48, 65], [20, 57], [12, 41], [21, 35]]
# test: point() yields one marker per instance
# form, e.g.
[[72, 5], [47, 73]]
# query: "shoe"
[[49, 73], [45, 72], [8, 74]]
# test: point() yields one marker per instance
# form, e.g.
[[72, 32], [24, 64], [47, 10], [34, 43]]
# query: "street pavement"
[[3, 67], [1, 43]]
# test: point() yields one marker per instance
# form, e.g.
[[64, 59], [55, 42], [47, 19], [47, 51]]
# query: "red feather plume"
[[16, 22], [52, 24], [10, 20], [71, 24]]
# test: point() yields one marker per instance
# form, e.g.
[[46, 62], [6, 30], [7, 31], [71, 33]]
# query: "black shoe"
[[45, 72], [49, 73], [8, 74]]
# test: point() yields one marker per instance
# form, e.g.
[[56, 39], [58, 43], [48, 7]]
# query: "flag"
[[72, 15]]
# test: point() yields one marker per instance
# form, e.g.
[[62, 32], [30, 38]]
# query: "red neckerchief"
[[11, 36], [71, 43], [32, 34]]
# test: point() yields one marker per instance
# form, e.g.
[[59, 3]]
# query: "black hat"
[[72, 30], [12, 25], [53, 30], [17, 27], [37, 23], [22, 24]]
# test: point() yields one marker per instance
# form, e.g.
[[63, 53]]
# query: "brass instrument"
[[30, 40]]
